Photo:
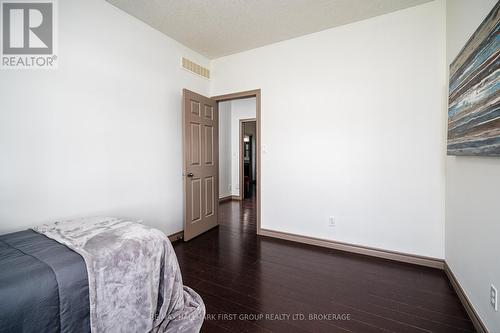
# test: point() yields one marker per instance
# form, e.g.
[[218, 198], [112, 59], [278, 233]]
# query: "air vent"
[[195, 68]]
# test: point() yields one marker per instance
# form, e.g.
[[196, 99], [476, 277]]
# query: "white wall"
[[472, 191], [361, 108], [225, 142], [240, 109], [100, 135]]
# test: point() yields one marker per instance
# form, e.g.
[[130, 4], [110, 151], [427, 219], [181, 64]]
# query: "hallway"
[[251, 283]]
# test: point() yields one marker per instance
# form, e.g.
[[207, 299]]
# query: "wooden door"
[[201, 163]]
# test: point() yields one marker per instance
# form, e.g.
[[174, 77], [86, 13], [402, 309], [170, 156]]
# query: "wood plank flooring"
[[251, 283]]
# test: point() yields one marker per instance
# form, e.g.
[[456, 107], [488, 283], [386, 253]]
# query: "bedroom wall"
[[101, 134], [472, 191], [353, 126]]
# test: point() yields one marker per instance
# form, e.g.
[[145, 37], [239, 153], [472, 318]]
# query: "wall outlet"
[[494, 297], [331, 221]]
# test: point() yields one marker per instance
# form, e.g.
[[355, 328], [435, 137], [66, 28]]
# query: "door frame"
[[242, 147], [242, 95]]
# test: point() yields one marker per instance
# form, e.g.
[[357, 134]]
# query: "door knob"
[[190, 175]]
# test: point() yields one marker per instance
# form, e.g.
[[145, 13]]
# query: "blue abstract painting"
[[474, 101]]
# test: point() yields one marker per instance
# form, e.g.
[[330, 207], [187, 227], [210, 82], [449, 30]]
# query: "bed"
[[94, 275]]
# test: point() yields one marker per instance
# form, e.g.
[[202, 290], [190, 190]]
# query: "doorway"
[[245, 152], [237, 149], [248, 158], [202, 148]]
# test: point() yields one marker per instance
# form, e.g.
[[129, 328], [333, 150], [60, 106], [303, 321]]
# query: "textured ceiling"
[[216, 28]]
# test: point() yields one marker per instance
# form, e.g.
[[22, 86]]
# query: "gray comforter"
[[43, 286], [134, 279]]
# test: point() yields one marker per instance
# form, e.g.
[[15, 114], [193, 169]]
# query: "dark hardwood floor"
[[251, 283]]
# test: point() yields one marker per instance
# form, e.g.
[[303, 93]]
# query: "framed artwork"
[[474, 108]]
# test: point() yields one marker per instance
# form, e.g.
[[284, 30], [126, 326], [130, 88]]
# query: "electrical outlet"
[[494, 297], [331, 221]]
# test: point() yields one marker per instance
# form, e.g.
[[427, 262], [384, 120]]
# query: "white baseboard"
[[374, 252], [474, 316]]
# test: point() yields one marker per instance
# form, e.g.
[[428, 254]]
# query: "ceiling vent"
[[195, 68]]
